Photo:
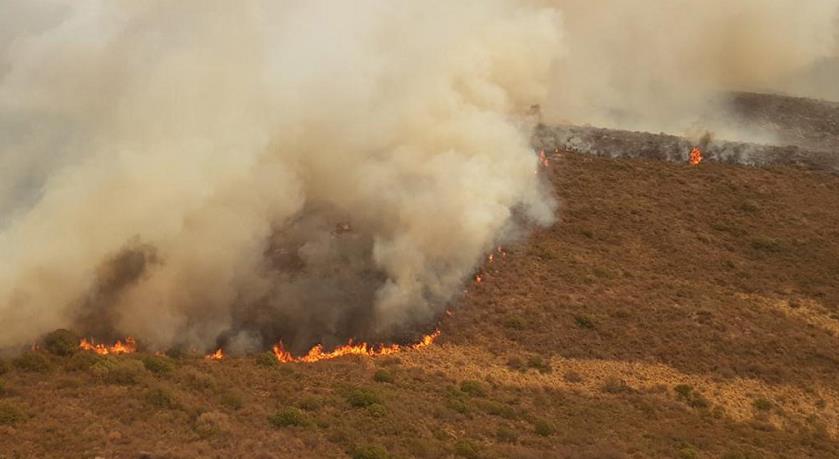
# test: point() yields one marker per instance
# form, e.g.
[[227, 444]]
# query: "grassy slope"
[[673, 311]]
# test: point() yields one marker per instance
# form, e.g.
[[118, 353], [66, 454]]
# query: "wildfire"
[[317, 353], [218, 355], [119, 347], [695, 156]]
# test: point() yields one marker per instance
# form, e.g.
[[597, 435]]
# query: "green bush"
[[762, 404], [377, 410], [467, 449], [159, 397], [309, 403], [370, 452], [383, 376], [9, 414], [544, 427], [158, 364], [473, 388], [506, 435], [361, 398], [62, 342], [289, 417], [33, 361], [82, 361], [683, 391], [267, 360], [584, 322], [115, 370], [232, 400]]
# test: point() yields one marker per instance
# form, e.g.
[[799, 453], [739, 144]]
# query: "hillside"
[[673, 311]]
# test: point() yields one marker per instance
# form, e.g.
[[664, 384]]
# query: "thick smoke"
[[668, 65], [200, 171]]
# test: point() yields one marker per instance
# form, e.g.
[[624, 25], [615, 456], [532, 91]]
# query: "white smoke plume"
[[667, 65], [191, 171]]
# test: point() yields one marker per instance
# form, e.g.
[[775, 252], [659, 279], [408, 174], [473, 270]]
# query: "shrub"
[[81, 361], [515, 322], [506, 435], [538, 363], [267, 360], [309, 403], [497, 409], [473, 388], [383, 376], [361, 398], [159, 397], [572, 377], [766, 244], [544, 428], [288, 417], [615, 386], [32, 361], [158, 364], [467, 449], [370, 452], [377, 410], [114, 370], [62, 342], [762, 404], [4, 367], [232, 400], [2, 388], [584, 322], [9, 414], [683, 391]]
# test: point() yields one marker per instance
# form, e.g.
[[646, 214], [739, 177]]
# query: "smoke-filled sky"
[[197, 172]]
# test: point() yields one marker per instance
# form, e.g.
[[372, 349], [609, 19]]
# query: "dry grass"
[[673, 312]]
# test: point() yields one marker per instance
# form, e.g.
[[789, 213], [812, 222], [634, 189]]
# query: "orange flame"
[[695, 156], [119, 347], [317, 353], [218, 355]]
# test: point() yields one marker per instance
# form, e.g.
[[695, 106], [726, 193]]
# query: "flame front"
[[218, 355], [695, 156], [130, 346], [317, 353]]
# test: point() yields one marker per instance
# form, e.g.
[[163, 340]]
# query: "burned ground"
[[673, 311]]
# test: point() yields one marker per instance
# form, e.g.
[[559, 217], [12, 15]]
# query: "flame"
[[218, 355], [695, 156], [479, 279], [317, 353], [119, 347]]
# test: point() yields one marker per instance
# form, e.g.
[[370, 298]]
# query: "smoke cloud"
[[201, 173], [667, 65], [197, 172]]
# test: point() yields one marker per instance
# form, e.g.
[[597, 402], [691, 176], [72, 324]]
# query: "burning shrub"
[[158, 364], [361, 398], [370, 452], [62, 342], [289, 417], [33, 361], [113, 370], [473, 388]]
